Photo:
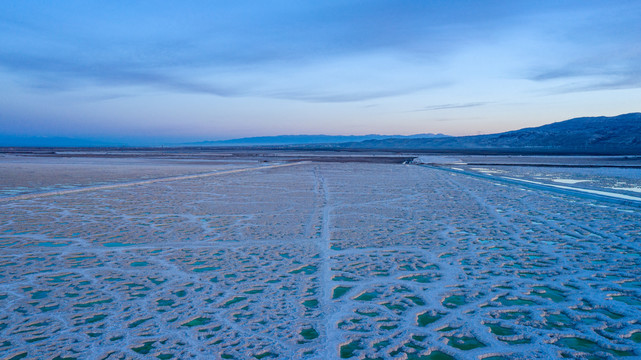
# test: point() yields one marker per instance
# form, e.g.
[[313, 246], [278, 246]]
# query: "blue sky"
[[195, 70]]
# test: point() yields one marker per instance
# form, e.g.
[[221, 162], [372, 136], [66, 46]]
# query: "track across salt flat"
[[142, 182]]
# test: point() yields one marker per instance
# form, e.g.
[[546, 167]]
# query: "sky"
[[162, 72]]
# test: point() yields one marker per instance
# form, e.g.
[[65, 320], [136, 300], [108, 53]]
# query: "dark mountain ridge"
[[305, 139], [617, 134]]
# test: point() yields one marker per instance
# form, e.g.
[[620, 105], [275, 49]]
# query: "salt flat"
[[315, 260]]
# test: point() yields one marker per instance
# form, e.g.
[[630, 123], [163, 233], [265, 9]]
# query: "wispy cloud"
[[452, 106], [120, 48], [348, 53], [592, 76], [340, 97], [60, 74], [355, 94], [603, 58]]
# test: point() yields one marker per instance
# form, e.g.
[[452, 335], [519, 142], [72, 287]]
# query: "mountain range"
[[586, 135], [617, 134], [307, 139]]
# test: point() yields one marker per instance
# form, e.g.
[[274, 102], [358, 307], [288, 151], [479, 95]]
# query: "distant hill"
[[617, 134], [306, 139], [587, 135]]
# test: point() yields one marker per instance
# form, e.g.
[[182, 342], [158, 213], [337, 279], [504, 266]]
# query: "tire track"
[[143, 182]]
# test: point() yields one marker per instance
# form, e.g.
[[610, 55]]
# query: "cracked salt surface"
[[320, 261]]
